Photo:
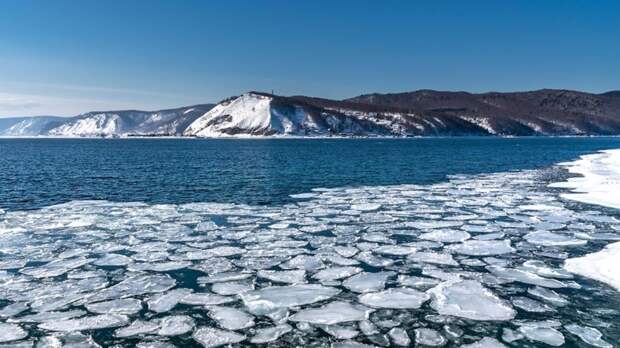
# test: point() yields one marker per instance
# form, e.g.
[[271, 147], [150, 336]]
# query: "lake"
[[300, 242]]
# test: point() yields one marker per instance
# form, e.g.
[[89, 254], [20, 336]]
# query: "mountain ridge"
[[423, 112]]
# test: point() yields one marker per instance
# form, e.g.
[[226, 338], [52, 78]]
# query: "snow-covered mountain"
[[419, 113], [109, 123], [131, 122], [259, 114], [28, 126]]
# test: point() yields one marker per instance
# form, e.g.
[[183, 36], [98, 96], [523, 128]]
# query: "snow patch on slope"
[[482, 122]]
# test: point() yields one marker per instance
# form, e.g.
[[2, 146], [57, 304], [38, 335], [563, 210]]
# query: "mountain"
[[28, 126], [418, 113], [170, 122], [261, 114], [543, 112], [131, 122]]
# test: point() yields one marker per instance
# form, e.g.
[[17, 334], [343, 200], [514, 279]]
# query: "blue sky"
[[66, 57]]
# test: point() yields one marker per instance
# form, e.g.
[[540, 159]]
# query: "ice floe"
[[231, 318], [599, 176], [86, 323], [268, 299], [395, 298], [11, 332], [367, 281], [469, 299], [211, 337], [332, 313], [270, 334], [601, 266]]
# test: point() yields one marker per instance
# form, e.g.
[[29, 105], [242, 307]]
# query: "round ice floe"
[[291, 277], [529, 305], [205, 299], [396, 250], [336, 273], [86, 323], [270, 334], [547, 238], [399, 337], [231, 318], [210, 337], [161, 303], [138, 327], [429, 337], [469, 299], [434, 258], [113, 260], [366, 206], [547, 295], [487, 342], [175, 325], [339, 332], [121, 306], [367, 281], [332, 313], [137, 285], [588, 335], [11, 332], [542, 333], [231, 288], [482, 247], [446, 236], [522, 276], [269, 299], [395, 298]]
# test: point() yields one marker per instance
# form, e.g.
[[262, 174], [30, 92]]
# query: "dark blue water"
[[40, 172]]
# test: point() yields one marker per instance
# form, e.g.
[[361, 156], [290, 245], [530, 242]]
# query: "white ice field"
[[476, 261]]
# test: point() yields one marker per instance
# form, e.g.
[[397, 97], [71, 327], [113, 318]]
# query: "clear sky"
[[67, 57]]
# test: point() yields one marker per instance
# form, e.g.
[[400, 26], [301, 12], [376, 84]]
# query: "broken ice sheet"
[[469, 299], [211, 337], [332, 313], [434, 258], [11, 332], [540, 332], [231, 318], [270, 334], [137, 285], [367, 281], [336, 273], [164, 302], [482, 247], [231, 288], [175, 325], [55, 268], [269, 299], [86, 323], [138, 327], [588, 335], [429, 337], [121, 306], [395, 298], [291, 277]]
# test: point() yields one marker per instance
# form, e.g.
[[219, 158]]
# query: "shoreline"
[[295, 137]]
